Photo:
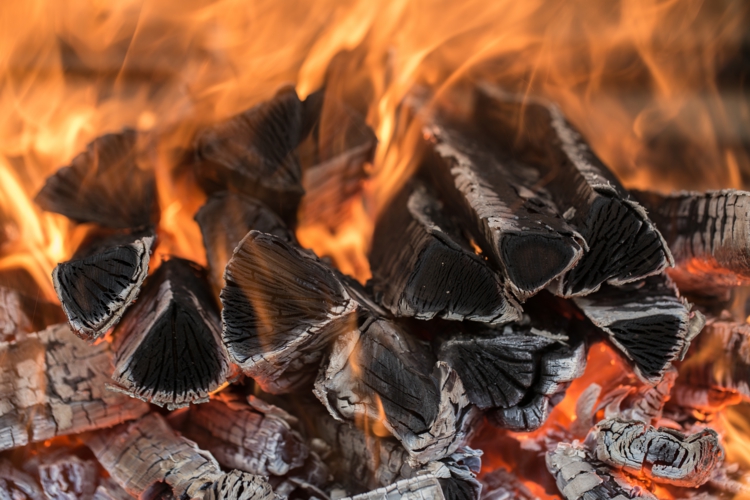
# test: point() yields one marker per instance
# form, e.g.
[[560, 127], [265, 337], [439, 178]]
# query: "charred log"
[[169, 348], [21, 314], [663, 455], [112, 183], [98, 285], [423, 266], [425, 486], [240, 486], [282, 307], [69, 478], [17, 485], [623, 245], [647, 321], [253, 152], [54, 385]]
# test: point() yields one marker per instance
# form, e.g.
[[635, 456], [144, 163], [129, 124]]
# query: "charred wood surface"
[[108, 489], [647, 321], [623, 244], [416, 488], [21, 314], [112, 183], [17, 485], [96, 288], [282, 308], [169, 348], [69, 478], [663, 455], [236, 485], [424, 267], [53, 384], [254, 153]]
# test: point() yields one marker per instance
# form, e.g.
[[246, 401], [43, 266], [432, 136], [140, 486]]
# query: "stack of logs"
[[509, 253]]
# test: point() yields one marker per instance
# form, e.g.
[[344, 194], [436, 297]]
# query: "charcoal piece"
[[112, 183], [225, 219], [580, 476], [17, 485], [237, 485], [423, 266], [382, 375], [515, 371], [425, 486], [168, 347], [255, 438], [623, 244], [96, 287], [69, 478], [501, 484], [648, 322], [253, 153], [21, 314], [54, 385], [648, 402], [518, 229], [663, 455], [708, 234], [282, 307]]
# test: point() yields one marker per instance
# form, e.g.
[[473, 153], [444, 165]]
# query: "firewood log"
[[253, 153], [648, 322], [15, 484], [168, 346], [623, 244], [54, 385], [21, 314], [98, 285], [424, 267], [112, 183], [282, 307], [68, 477]]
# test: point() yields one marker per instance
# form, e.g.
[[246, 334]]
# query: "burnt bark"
[[239, 486], [98, 285], [21, 314], [623, 244], [282, 307], [112, 183], [69, 478], [169, 348], [17, 485]]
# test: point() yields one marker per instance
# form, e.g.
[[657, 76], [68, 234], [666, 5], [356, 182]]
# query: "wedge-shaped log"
[[518, 372], [580, 476], [21, 314], [98, 285], [16, 484], [169, 349], [253, 152], [517, 228], [381, 374], [225, 219], [623, 244], [663, 455], [53, 384], [424, 267], [112, 183], [282, 308], [708, 234], [647, 321], [68, 477]]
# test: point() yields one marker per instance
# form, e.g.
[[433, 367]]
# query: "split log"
[[663, 455], [381, 375], [424, 267], [98, 285], [517, 372], [21, 314], [112, 183], [253, 153], [623, 244], [53, 384], [17, 485], [168, 347], [580, 476], [68, 478], [501, 484], [239, 486], [224, 220], [648, 322], [517, 228], [708, 234], [282, 307]]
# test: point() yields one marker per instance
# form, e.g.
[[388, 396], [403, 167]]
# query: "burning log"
[[112, 183], [580, 476], [382, 375], [68, 477], [517, 373], [424, 267], [225, 219], [253, 152], [647, 321], [97, 286], [519, 229], [169, 348], [663, 455], [623, 244], [708, 234], [282, 307], [15, 484], [54, 385], [21, 314], [501, 484]]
